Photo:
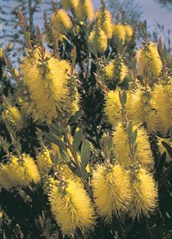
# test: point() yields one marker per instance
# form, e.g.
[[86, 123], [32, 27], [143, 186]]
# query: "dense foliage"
[[86, 128]]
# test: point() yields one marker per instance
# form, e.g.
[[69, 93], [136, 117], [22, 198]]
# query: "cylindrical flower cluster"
[[48, 85], [71, 207], [19, 172]]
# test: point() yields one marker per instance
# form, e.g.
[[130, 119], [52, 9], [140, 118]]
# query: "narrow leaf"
[[77, 139], [85, 153]]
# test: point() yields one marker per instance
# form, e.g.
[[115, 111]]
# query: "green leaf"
[[134, 136], [65, 156], [85, 153], [56, 140], [73, 168], [55, 129], [123, 98], [77, 139], [110, 143], [84, 172]]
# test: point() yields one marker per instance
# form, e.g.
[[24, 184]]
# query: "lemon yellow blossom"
[[148, 61], [113, 107], [61, 21], [143, 154], [85, 10], [121, 145], [13, 116], [19, 172], [144, 195], [116, 69], [70, 4], [104, 21], [161, 103], [119, 32], [140, 109], [71, 207], [48, 83], [98, 41], [44, 161], [128, 32], [111, 190], [5, 181]]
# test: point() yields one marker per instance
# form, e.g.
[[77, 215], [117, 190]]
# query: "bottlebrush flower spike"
[[116, 69], [19, 172], [143, 154], [148, 61], [144, 195], [104, 21], [49, 84], [98, 41], [111, 190], [61, 21], [113, 107], [70, 4], [140, 109], [13, 116], [44, 162], [71, 207], [161, 102], [84, 10]]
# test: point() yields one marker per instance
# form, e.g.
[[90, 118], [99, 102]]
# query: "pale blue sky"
[[153, 13]]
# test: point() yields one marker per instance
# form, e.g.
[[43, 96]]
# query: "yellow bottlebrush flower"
[[123, 71], [71, 207], [119, 32], [140, 109], [23, 171], [98, 41], [121, 147], [50, 79], [70, 4], [109, 70], [104, 21], [19, 172], [116, 70], [161, 103], [61, 21], [113, 107], [144, 194], [44, 162], [5, 181], [85, 10], [143, 153], [128, 32], [28, 107], [31, 168], [13, 116], [148, 61], [111, 190]]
